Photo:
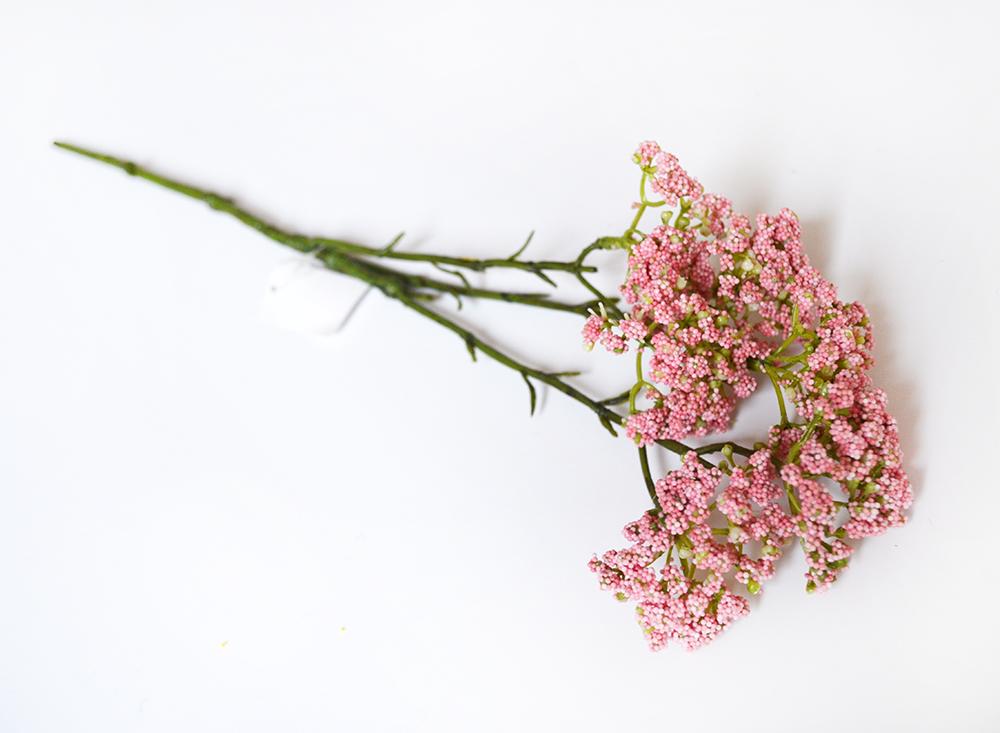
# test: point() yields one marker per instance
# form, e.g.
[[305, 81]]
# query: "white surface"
[[209, 523], [305, 297]]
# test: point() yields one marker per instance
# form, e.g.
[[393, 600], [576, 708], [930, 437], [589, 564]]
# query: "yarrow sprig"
[[714, 300], [712, 304]]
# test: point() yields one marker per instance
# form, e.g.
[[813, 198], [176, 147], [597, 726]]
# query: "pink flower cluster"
[[668, 178], [671, 602], [717, 304], [690, 602], [856, 443]]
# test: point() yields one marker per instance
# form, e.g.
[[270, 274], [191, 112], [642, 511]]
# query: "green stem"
[[325, 249], [793, 500], [340, 245], [793, 452], [680, 449], [648, 477], [468, 263], [608, 417], [635, 220], [640, 382], [331, 258], [719, 447], [609, 303], [393, 284], [777, 391], [786, 362], [793, 333]]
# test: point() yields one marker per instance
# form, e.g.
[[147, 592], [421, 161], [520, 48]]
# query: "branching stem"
[[408, 289]]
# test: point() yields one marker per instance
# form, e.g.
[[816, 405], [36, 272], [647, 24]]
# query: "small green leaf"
[[538, 271], [607, 426], [392, 245], [523, 247], [531, 392], [455, 273]]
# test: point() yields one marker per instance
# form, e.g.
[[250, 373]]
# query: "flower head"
[[718, 301]]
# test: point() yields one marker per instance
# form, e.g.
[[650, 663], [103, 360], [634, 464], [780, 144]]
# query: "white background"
[[209, 523]]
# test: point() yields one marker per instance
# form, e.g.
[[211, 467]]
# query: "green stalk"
[[608, 418], [647, 477], [468, 263], [324, 249], [308, 244], [602, 243], [402, 287], [769, 371], [334, 259], [721, 447]]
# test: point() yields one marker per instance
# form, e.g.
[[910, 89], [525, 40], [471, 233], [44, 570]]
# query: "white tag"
[[305, 297]]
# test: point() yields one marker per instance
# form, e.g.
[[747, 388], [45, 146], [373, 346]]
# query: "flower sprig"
[[710, 304]]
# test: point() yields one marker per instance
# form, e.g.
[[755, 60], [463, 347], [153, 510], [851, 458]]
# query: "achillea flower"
[[714, 300]]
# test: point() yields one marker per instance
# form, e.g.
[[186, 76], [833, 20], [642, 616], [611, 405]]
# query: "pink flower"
[[719, 301], [668, 178], [687, 599], [593, 327]]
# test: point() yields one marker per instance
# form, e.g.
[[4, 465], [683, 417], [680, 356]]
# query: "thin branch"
[[399, 286]]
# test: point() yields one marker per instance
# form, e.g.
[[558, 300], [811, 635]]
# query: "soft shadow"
[[888, 374], [817, 241], [891, 376]]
